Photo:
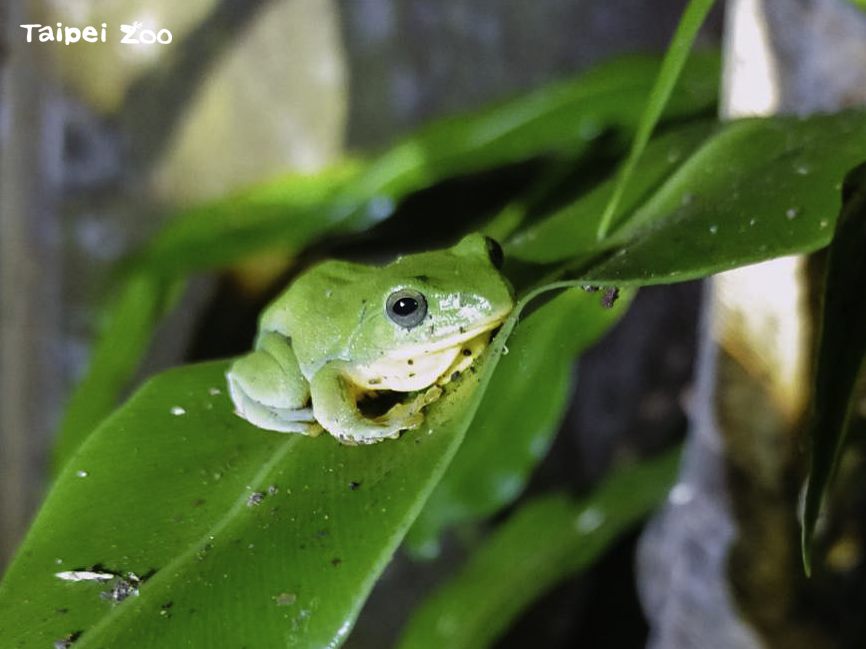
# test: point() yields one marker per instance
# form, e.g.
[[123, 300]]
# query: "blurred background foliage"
[[272, 134]]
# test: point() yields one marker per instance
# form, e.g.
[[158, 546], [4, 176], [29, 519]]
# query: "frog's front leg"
[[268, 389], [335, 404]]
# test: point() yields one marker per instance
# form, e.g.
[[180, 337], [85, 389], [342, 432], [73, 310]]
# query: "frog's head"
[[431, 301]]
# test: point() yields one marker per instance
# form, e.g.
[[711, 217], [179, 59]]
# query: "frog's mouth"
[[410, 370]]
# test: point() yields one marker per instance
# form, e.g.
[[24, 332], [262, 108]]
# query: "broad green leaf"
[[761, 188], [519, 414], [544, 542], [129, 323], [841, 351], [239, 536], [754, 190], [675, 59]]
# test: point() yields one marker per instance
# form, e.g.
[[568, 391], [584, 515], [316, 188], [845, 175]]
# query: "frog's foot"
[[281, 420], [410, 411], [268, 390]]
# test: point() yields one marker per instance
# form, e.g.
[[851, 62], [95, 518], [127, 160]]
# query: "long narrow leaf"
[[672, 66], [129, 324], [546, 541], [841, 351]]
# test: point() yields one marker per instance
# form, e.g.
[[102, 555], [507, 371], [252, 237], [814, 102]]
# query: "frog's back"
[[315, 312]]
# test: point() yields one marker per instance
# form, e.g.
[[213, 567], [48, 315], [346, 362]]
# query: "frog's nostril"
[[494, 251]]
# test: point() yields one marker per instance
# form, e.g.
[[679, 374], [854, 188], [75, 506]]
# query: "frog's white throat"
[[415, 369]]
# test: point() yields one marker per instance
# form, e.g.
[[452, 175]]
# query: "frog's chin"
[[419, 367]]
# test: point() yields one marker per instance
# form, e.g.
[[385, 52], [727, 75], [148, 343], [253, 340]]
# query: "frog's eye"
[[494, 252], [406, 307]]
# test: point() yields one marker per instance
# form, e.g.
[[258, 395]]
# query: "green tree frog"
[[345, 337]]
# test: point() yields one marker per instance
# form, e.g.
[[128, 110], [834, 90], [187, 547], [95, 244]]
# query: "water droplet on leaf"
[[589, 520]]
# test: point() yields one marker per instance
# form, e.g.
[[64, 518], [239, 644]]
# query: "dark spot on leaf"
[[336, 561], [121, 589], [66, 641], [255, 498], [198, 502], [202, 554], [354, 486], [609, 297], [322, 533], [150, 573]]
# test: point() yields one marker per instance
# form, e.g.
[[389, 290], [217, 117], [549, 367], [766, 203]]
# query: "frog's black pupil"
[[405, 306]]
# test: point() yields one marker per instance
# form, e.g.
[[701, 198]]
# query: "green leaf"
[[129, 324], [761, 188], [562, 117], [753, 190], [570, 232], [283, 215], [519, 414], [282, 535], [291, 213], [841, 351], [543, 543], [675, 59]]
